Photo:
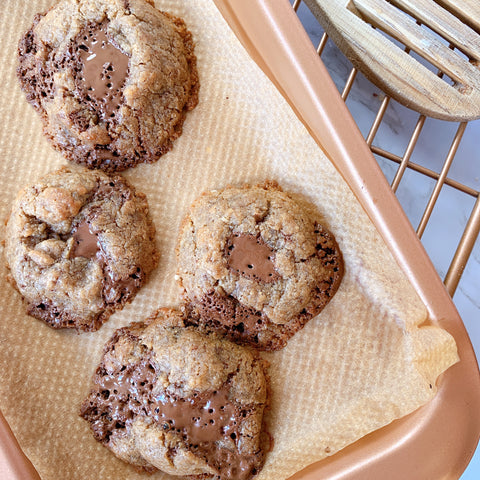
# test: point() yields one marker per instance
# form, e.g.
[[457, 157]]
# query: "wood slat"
[[401, 26], [444, 23], [406, 78], [468, 11]]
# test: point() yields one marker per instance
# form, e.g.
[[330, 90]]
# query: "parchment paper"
[[363, 362]]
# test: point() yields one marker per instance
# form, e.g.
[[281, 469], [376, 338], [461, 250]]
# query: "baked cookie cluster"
[[168, 396], [79, 245], [111, 80], [255, 265], [180, 392]]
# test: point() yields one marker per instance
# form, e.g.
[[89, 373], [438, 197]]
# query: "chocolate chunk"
[[251, 257], [85, 243], [102, 69]]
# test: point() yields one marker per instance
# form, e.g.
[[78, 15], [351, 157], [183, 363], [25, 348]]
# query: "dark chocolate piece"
[[251, 257], [85, 243], [102, 69]]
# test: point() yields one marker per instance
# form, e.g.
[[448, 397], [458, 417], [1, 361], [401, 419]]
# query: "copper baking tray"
[[438, 440]]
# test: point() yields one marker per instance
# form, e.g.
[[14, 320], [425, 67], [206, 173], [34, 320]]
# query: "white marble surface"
[[452, 209]]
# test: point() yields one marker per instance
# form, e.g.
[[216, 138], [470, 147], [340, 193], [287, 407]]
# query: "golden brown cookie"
[[255, 265], [79, 245], [111, 79], [170, 397]]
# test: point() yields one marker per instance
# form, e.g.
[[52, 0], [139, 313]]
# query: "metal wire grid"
[[441, 179]]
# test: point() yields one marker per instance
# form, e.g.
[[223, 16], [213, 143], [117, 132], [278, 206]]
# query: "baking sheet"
[[259, 138], [435, 441]]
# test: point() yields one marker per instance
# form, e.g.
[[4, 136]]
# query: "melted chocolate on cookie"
[[251, 257], [202, 420], [102, 70], [85, 243]]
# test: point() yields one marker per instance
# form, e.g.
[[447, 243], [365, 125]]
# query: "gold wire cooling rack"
[[403, 163]]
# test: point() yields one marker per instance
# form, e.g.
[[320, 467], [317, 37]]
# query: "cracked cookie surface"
[[112, 80], [170, 397], [79, 245], [255, 265]]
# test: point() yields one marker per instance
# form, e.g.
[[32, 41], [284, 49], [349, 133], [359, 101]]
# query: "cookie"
[[170, 397], [111, 79], [256, 265], [79, 245]]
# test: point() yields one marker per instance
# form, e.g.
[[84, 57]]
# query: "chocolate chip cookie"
[[111, 79], [255, 265], [170, 397], [79, 245]]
